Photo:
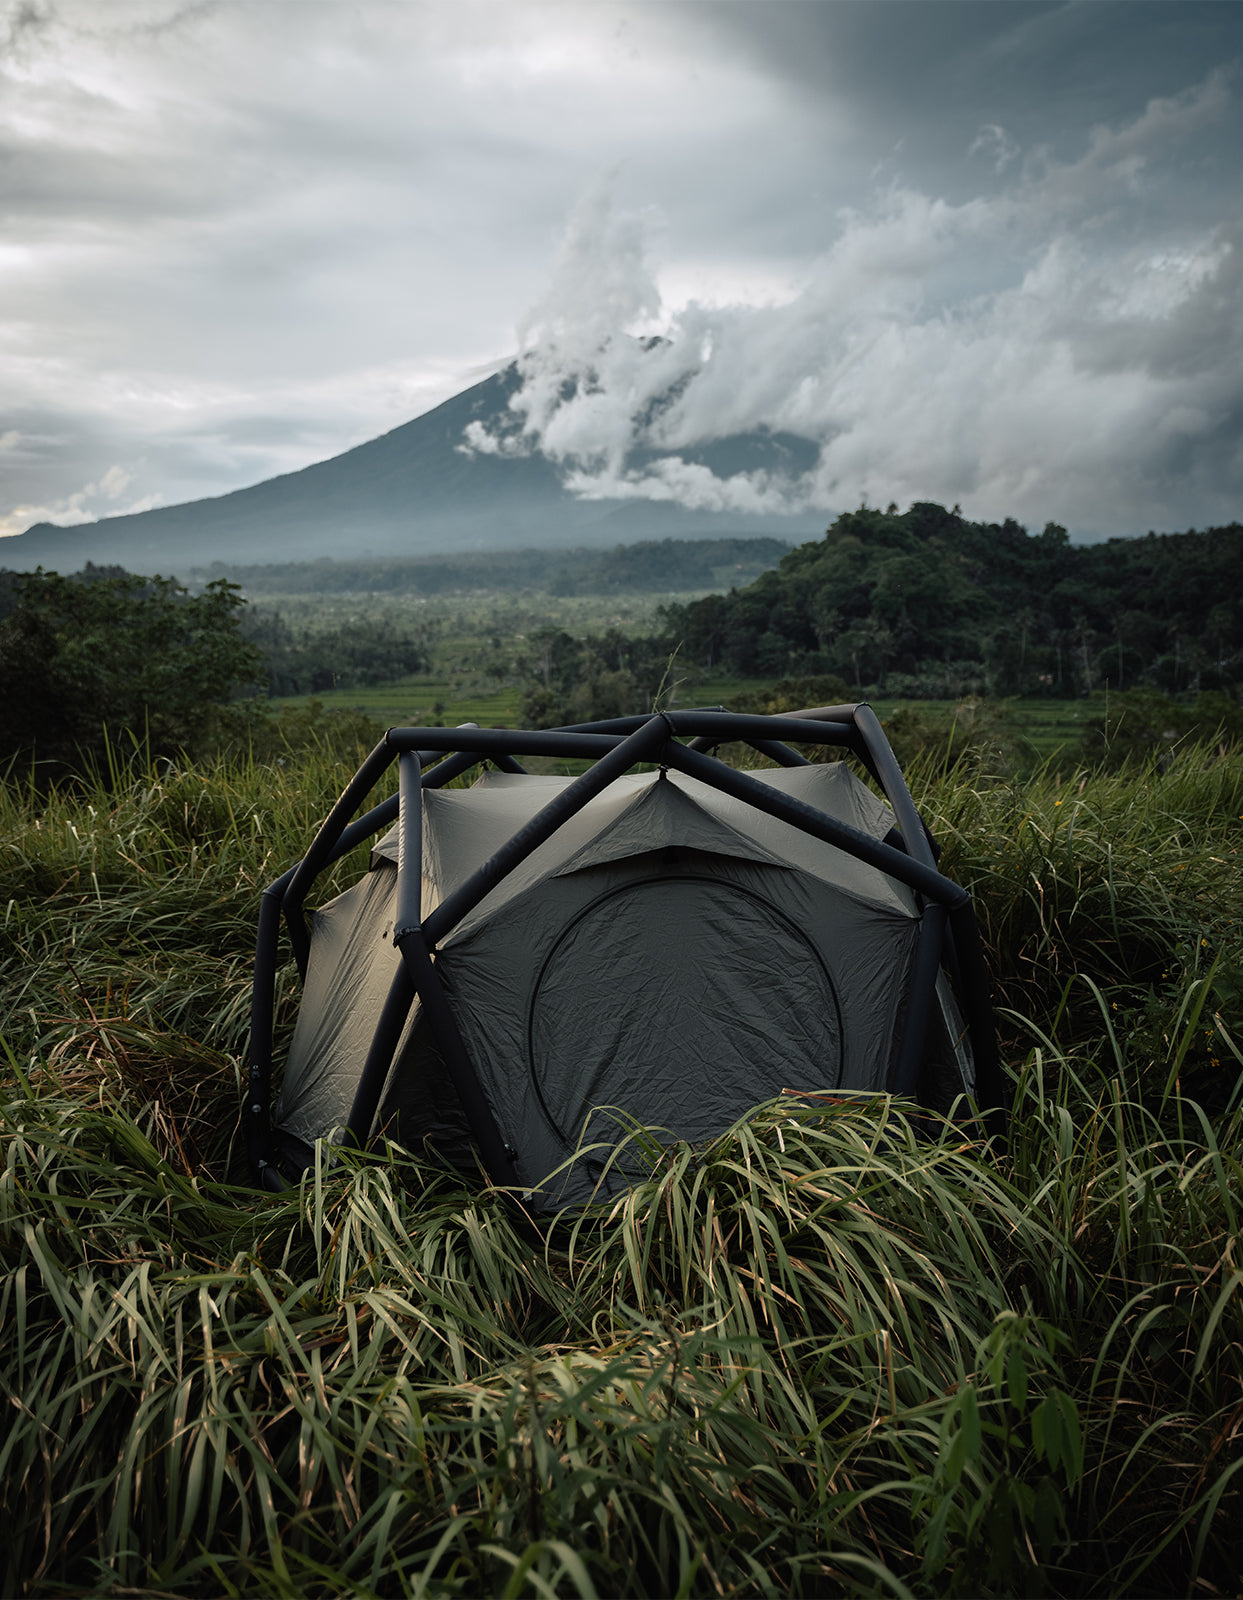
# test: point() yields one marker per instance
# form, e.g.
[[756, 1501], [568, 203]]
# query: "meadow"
[[1046, 728], [837, 1351], [477, 668]]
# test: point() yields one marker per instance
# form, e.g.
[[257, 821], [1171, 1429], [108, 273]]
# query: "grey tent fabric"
[[663, 1027], [670, 953], [351, 967]]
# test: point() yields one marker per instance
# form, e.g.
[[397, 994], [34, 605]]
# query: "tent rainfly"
[[675, 945]]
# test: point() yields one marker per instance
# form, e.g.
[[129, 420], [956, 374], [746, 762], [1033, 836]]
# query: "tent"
[[531, 955]]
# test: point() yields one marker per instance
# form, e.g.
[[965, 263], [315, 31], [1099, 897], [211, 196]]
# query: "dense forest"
[[925, 604], [350, 655]]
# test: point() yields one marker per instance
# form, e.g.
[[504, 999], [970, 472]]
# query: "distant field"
[[1049, 725], [422, 702], [476, 643]]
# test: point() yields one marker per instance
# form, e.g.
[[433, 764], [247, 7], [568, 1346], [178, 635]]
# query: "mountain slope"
[[409, 492]]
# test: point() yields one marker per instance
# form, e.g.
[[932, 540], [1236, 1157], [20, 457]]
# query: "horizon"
[[984, 255]]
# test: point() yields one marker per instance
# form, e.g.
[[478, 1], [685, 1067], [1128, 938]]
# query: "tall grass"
[[834, 1351], [1126, 882]]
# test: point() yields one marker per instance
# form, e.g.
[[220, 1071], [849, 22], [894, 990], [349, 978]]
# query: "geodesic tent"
[[674, 945]]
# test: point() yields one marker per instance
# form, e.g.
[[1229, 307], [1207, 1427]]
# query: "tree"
[[887, 593], [85, 659], [365, 649], [583, 680]]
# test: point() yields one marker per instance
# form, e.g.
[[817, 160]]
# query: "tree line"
[[918, 604], [612, 674], [650, 566], [353, 654], [90, 657], [926, 604]]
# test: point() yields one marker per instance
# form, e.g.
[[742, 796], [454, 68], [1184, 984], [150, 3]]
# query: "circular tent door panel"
[[682, 1001]]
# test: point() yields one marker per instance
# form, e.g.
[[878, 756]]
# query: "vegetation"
[[826, 1354], [651, 566], [358, 652], [106, 653], [926, 604], [918, 612], [481, 643], [1141, 721], [838, 1350], [919, 607], [589, 679]]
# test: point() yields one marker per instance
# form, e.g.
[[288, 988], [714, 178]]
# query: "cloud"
[[995, 145], [83, 505], [1008, 352], [23, 23], [242, 235], [113, 484]]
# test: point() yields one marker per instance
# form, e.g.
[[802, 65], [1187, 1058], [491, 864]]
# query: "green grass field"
[[833, 1352], [475, 644], [1049, 727], [425, 702]]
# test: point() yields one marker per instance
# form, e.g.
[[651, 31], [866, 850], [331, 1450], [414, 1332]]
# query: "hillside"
[[413, 491], [928, 603]]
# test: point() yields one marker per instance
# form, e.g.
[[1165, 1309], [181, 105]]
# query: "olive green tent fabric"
[[670, 953]]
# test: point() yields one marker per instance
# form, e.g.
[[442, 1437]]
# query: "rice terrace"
[[874, 1343]]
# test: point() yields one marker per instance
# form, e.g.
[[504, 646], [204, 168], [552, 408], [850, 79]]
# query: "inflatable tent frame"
[[681, 741]]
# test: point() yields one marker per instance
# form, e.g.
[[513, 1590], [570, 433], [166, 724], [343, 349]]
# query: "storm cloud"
[[1003, 351], [977, 253]]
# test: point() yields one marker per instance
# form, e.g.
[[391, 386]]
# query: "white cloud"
[[1044, 388], [86, 504], [114, 483]]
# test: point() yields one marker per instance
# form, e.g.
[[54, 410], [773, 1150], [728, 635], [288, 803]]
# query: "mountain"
[[411, 492]]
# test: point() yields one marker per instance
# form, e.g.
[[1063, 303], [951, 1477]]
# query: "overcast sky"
[[985, 253]]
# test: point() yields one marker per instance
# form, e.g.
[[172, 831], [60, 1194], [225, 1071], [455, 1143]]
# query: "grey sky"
[[982, 252]]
